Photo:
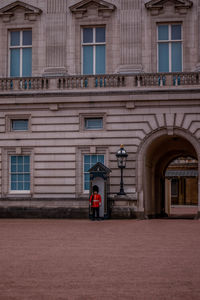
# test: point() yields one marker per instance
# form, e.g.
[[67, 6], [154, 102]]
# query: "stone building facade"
[[79, 78]]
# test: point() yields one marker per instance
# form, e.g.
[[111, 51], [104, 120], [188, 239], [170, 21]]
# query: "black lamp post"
[[121, 159]]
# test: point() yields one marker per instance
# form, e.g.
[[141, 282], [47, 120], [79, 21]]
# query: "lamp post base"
[[121, 193]]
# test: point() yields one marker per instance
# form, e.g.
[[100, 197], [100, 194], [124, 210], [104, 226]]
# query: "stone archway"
[[153, 157]]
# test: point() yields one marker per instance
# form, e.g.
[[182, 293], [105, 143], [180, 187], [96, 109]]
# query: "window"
[[170, 48], [93, 123], [19, 125], [174, 187], [89, 161], [20, 48], [19, 173], [18, 122], [93, 50]]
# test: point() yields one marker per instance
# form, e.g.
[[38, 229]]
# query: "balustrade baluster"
[[100, 81]]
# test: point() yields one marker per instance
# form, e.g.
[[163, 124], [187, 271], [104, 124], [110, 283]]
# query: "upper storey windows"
[[18, 20], [20, 49], [170, 48], [93, 50]]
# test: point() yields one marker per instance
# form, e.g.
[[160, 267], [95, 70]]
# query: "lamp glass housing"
[[121, 157]]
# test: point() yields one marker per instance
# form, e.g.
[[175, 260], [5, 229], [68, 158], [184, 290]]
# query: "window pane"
[[19, 124], [176, 57], [27, 37], [87, 35], [87, 185], [163, 57], [13, 186], [14, 62], [94, 123], [20, 177], [27, 62], [176, 32], [13, 178], [26, 168], [100, 35], [20, 186], [27, 186], [13, 168], [88, 60], [86, 167], [13, 159], [86, 158], [26, 159], [100, 59], [20, 159], [87, 177], [94, 159], [101, 158], [163, 32], [15, 38], [27, 177], [20, 168]]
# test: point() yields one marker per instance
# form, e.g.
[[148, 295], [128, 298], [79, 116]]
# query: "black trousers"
[[95, 212]]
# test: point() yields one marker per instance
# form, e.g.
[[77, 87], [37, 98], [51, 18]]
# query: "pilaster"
[[131, 36], [55, 37]]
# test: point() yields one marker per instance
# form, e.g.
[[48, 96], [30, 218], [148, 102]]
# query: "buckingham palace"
[[80, 78]]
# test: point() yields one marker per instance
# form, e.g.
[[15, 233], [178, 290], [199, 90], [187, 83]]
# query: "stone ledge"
[[126, 213], [43, 212]]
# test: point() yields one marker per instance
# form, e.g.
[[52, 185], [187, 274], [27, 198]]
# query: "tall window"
[[93, 50], [170, 48], [20, 48], [89, 161], [19, 173]]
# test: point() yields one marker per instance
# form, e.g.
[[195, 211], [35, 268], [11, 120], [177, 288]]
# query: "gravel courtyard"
[[114, 259]]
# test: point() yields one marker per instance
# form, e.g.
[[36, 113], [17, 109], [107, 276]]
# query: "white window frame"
[[170, 42], [10, 118], [94, 118], [10, 173], [21, 47], [90, 154], [19, 130], [94, 44]]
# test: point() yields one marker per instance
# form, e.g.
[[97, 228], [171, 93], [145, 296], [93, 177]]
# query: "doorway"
[[181, 187], [154, 157]]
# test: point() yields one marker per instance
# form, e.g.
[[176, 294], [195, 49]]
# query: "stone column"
[[56, 37], [131, 36]]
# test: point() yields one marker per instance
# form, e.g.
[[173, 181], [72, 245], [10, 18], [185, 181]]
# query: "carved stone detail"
[[99, 7], [157, 6], [30, 12]]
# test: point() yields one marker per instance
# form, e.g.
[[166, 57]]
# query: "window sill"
[[19, 193]]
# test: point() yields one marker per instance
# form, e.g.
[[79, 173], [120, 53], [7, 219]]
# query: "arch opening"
[[181, 187], [155, 160]]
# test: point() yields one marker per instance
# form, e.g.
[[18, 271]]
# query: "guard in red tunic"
[[95, 202]]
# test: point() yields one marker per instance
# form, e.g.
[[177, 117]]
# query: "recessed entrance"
[[181, 187], [154, 160]]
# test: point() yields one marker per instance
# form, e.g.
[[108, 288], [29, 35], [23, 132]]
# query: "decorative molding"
[[83, 116], [157, 6], [9, 118], [170, 130], [102, 8], [30, 12]]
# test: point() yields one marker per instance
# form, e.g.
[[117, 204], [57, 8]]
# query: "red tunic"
[[96, 200]]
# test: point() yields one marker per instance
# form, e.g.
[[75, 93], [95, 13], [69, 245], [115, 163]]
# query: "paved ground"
[[84, 260]]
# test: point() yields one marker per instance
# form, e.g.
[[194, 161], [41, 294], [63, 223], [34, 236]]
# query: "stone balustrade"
[[142, 80]]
